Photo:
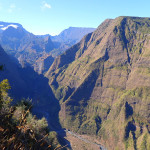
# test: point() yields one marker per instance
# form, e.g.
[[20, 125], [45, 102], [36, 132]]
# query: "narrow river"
[[81, 138]]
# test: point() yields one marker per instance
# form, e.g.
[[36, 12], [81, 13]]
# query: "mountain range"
[[103, 84], [32, 49], [99, 87]]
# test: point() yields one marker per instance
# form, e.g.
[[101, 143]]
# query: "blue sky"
[[53, 16]]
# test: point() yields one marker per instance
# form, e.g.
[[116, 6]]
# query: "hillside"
[[103, 85]]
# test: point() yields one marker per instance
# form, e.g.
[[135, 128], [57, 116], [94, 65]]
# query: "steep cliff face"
[[43, 63], [103, 83]]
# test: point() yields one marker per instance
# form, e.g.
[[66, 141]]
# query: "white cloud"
[[11, 25], [45, 5], [12, 7]]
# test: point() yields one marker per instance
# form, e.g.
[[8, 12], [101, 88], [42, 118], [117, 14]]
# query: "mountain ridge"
[[95, 83]]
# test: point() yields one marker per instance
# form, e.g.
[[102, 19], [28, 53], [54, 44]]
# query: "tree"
[[4, 98]]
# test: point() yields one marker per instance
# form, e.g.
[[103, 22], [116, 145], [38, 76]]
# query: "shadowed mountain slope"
[[26, 83]]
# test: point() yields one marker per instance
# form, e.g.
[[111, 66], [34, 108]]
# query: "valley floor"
[[81, 142]]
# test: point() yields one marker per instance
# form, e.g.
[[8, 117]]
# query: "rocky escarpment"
[[103, 83]]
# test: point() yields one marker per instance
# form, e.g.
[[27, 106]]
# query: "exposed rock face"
[[43, 63], [103, 83]]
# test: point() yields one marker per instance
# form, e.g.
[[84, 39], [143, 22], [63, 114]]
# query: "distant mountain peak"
[[5, 25], [75, 33]]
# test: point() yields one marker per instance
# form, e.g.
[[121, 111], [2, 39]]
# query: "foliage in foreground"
[[19, 129]]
